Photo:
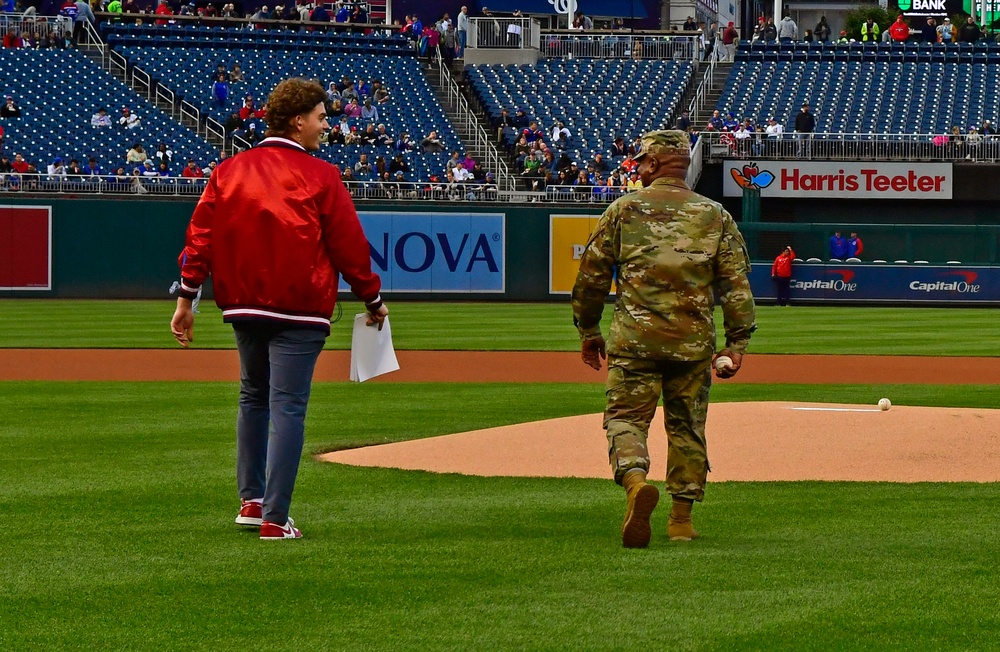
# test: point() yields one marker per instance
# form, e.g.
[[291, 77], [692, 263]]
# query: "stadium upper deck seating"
[[867, 88], [60, 90], [186, 63], [597, 99]]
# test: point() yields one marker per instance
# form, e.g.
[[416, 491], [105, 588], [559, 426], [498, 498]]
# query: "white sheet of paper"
[[371, 350]]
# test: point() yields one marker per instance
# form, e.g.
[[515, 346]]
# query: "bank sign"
[[873, 283], [436, 252], [839, 180]]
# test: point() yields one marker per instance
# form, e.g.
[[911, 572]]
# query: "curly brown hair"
[[290, 98]]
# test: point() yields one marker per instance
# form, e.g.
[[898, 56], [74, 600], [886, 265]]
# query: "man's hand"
[[378, 317], [592, 352], [728, 372], [182, 325]]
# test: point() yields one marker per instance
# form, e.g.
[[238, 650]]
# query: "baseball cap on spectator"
[[731, 23], [57, 159]]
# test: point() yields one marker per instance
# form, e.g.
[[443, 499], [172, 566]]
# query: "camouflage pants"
[[633, 390]]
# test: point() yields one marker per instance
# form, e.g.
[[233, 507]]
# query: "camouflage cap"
[[666, 142]]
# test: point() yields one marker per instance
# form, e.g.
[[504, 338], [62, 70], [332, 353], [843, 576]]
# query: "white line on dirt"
[[815, 409]]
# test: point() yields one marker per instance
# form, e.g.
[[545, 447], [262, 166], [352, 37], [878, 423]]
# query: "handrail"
[[483, 142], [94, 40], [238, 23], [707, 81], [137, 75], [852, 147], [166, 95], [697, 162]]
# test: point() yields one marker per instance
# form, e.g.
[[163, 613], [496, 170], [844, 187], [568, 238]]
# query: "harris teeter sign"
[[848, 180]]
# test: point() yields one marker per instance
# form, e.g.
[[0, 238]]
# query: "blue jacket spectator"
[[838, 246]]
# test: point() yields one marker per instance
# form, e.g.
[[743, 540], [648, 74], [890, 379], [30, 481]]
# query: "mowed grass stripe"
[[505, 327], [119, 497]]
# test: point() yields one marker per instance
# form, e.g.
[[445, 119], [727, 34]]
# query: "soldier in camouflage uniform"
[[673, 250]]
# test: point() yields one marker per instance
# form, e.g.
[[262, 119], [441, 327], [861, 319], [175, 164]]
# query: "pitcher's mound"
[[746, 441]]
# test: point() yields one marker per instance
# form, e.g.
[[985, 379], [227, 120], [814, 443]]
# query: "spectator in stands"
[[822, 30], [11, 39], [101, 118], [360, 13], [742, 137], [380, 93], [448, 45], [381, 167], [843, 37], [715, 122], [343, 14], [83, 15], [229, 11], [900, 31], [233, 123], [192, 171], [774, 131], [10, 109], [332, 93], [805, 125], [368, 136], [973, 143], [808, 37], [383, 138], [369, 112], [163, 154], [838, 246], [163, 170], [5, 166], [210, 11], [431, 143], [689, 25], [405, 143], [854, 246], [463, 30], [336, 136], [944, 31], [220, 92], [319, 14], [92, 170], [129, 120], [236, 74], [163, 9], [398, 165], [461, 174], [598, 163], [788, 31], [683, 122], [870, 31], [20, 165], [248, 110], [929, 31], [350, 93], [353, 109], [56, 168], [769, 32], [135, 155], [969, 33], [335, 109], [987, 129], [74, 169], [560, 134]]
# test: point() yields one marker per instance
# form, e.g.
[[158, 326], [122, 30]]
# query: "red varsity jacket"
[[274, 227]]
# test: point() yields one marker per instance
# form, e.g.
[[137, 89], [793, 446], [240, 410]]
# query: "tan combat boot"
[[679, 527], [642, 499]]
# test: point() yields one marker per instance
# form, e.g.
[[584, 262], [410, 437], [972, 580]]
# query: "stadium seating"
[[867, 88], [597, 99], [60, 90], [186, 65]]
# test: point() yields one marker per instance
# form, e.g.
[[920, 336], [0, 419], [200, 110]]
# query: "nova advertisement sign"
[[839, 180], [437, 252], [887, 283]]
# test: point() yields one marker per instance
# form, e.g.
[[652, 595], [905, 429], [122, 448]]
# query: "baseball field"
[[118, 497]]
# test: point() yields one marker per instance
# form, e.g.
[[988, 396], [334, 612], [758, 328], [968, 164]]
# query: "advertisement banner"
[[873, 283], [568, 235], [437, 252], [846, 180], [25, 248]]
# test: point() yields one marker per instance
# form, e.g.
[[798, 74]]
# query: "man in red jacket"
[[899, 31], [781, 273], [275, 227]]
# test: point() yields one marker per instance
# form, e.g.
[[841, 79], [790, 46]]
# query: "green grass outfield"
[[515, 327], [118, 501]]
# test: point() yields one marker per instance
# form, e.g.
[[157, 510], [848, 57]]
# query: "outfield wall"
[[101, 248]]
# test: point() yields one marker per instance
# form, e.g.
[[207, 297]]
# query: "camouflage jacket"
[[674, 251]]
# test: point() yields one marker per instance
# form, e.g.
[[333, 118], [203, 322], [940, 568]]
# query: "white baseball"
[[884, 404], [724, 362]]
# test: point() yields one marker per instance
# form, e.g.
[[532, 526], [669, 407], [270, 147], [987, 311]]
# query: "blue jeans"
[[276, 370]]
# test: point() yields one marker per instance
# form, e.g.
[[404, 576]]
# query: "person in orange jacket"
[[781, 274]]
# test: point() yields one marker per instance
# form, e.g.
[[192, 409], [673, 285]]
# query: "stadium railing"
[[852, 147], [503, 33], [98, 185], [51, 26], [616, 45]]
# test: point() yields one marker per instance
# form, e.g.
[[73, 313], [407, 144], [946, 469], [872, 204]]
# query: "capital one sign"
[[853, 180]]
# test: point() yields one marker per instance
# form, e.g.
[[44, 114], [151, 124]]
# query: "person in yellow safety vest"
[[869, 31]]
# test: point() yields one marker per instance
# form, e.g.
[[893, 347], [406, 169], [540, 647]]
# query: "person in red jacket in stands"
[[163, 9], [192, 171], [275, 227], [781, 274], [899, 30]]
